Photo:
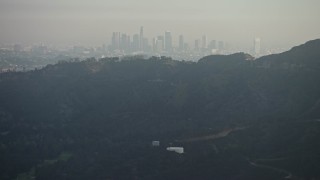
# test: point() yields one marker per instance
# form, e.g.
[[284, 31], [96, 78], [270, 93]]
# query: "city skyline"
[[125, 43], [163, 44], [279, 23]]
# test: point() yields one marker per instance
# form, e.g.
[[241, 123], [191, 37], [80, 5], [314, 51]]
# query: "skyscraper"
[[115, 40], [159, 45], [136, 42], [256, 45], [204, 42], [168, 41], [146, 45], [141, 45], [129, 43], [154, 44], [213, 45], [196, 45], [161, 38], [220, 45], [124, 45], [181, 43]]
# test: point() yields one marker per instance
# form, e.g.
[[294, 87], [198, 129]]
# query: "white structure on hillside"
[[179, 150], [155, 143]]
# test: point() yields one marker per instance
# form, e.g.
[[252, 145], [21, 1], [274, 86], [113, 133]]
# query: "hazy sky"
[[91, 22]]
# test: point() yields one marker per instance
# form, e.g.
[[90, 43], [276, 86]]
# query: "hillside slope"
[[96, 119]]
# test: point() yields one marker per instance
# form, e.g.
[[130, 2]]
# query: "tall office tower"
[[104, 47], [186, 47], [167, 41], [181, 43], [136, 42], [161, 38], [118, 40], [154, 44], [141, 39], [129, 43], [196, 45], [213, 44], [220, 45], [159, 45], [257, 46], [146, 45], [124, 42], [204, 42], [115, 40]]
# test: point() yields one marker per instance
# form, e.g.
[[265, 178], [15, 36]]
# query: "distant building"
[[213, 44], [196, 45], [129, 43], [155, 143], [186, 47], [154, 44], [147, 47], [220, 45], [179, 150], [168, 41], [125, 42], [204, 42], [40, 50], [136, 42], [161, 38], [159, 45], [17, 48], [141, 45], [116, 40], [181, 43]]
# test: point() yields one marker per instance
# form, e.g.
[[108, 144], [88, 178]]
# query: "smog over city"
[[279, 23], [161, 90]]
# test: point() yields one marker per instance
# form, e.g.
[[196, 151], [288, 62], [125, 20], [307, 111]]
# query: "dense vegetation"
[[96, 119]]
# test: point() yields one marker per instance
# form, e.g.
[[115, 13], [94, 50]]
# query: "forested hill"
[[238, 118]]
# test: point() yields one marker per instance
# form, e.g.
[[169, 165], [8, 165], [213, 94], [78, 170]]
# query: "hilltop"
[[238, 118]]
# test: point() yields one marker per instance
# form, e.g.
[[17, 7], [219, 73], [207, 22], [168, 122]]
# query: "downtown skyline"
[[278, 23]]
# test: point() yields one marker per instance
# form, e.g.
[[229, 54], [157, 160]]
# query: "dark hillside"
[[236, 117]]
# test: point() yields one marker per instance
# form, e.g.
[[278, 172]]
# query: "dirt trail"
[[221, 134], [288, 174]]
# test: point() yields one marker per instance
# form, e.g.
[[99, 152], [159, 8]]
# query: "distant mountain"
[[236, 117]]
